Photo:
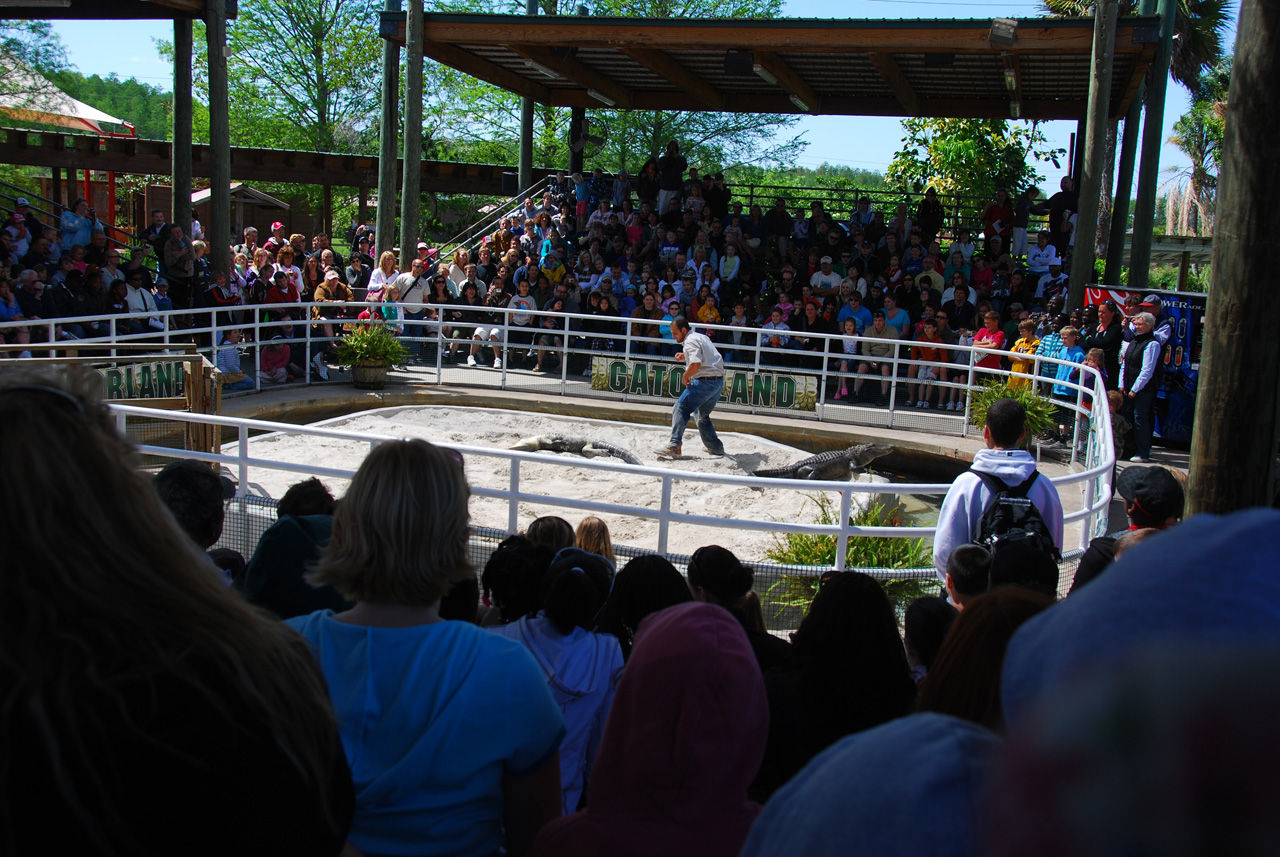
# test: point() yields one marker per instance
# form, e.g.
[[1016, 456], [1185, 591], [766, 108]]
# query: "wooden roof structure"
[[925, 67], [112, 10]]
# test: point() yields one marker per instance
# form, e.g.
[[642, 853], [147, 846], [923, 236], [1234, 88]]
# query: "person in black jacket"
[[929, 217], [717, 576], [671, 168], [1109, 336]]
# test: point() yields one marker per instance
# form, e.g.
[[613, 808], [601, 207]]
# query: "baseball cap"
[[277, 225], [331, 274], [22, 200], [606, 278], [1154, 490], [1152, 300], [825, 260], [1055, 261], [422, 245], [688, 275]]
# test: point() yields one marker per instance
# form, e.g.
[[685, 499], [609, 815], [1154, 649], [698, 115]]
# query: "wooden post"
[[1095, 143], [526, 123], [362, 205], [1124, 178], [411, 190], [1233, 446], [218, 229], [181, 213], [1144, 212], [326, 210], [388, 151]]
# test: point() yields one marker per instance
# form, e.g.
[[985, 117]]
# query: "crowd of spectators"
[[552, 704], [603, 265]]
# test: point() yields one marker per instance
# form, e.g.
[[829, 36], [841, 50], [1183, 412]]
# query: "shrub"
[[370, 345], [1040, 409], [797, 590]]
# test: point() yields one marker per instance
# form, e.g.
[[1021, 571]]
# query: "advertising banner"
[[741, 387]]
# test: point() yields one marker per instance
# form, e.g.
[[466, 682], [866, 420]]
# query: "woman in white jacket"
[[582, 667]]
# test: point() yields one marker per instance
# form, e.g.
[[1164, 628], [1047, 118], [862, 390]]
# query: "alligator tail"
[[616, 451]]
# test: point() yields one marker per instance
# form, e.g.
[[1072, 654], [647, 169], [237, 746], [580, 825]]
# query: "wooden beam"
[[1034, 37], [793, 83], [152, 157], [578, 72], [481, 68], [1137, 74], [898, 83], [665, 67]]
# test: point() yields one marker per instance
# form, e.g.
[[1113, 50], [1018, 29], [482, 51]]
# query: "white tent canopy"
[[28, 97]]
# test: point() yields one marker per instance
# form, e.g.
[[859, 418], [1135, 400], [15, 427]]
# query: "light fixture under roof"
[[600, 96], [1004, 32], [539, 67], [1015, 109], [800, 102], [764, 73], [1010, 79]]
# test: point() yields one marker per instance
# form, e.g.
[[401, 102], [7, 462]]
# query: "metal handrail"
[[1094, 506], [469, 236], [111, 230], [1099, 453]]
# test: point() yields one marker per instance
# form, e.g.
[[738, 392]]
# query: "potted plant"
[[1040, 409], [370, 350]]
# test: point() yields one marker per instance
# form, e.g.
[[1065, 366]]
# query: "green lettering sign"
[[640, 380], [786, 392], [762, 391], [617, 376], [737, 389]]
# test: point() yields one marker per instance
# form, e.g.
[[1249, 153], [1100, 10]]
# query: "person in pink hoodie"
[[684, 738]]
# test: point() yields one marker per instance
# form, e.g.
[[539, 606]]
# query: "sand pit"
[[500, 429]]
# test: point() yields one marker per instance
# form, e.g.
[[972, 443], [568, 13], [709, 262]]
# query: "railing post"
[[664, 515], [842, 540], [1075, 433], [306, 349], [968, 388], [513, 503], [242, 462], [893, 385], [257, 351], [122, 424]]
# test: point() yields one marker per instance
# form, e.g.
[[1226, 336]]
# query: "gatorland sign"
[[666, 380]]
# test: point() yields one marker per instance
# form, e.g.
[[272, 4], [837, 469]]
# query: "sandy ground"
[[500, 429]]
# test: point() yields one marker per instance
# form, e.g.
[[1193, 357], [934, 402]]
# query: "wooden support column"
[[56, 192], [411, 190], [526, 122], [1095, 143], [181, 210], [218, 229], [1233, 447], [1144, 211], [1124, 177], [362, 205], [388, 151]]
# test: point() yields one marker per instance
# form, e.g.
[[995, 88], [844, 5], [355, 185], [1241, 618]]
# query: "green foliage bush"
[[370, 345], [1040, 409], [798, 590]]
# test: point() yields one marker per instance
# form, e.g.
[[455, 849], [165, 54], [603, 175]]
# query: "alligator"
[[570, 443], [830, 466]]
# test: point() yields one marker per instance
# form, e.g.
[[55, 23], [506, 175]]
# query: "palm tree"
[[1198, 31]]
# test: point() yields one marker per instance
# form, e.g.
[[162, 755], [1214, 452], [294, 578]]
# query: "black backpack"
[[1011, 517]]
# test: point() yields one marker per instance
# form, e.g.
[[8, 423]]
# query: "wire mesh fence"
[[784, 589]]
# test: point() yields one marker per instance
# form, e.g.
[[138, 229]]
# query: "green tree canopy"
[[969, 157]]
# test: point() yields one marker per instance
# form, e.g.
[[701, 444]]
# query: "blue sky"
[[128, 48]]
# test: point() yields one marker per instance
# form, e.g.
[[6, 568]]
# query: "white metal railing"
[[206, 325], [1091, 511]]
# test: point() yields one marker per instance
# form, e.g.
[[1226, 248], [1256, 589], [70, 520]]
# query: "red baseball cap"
[[277, 225]]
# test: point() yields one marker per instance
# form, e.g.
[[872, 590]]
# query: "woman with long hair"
[[382, 276], [312, 276], [645, 585], [581, 667], [143, 702], [592, 536], [848, 672], [718, 577], [451, 731]]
